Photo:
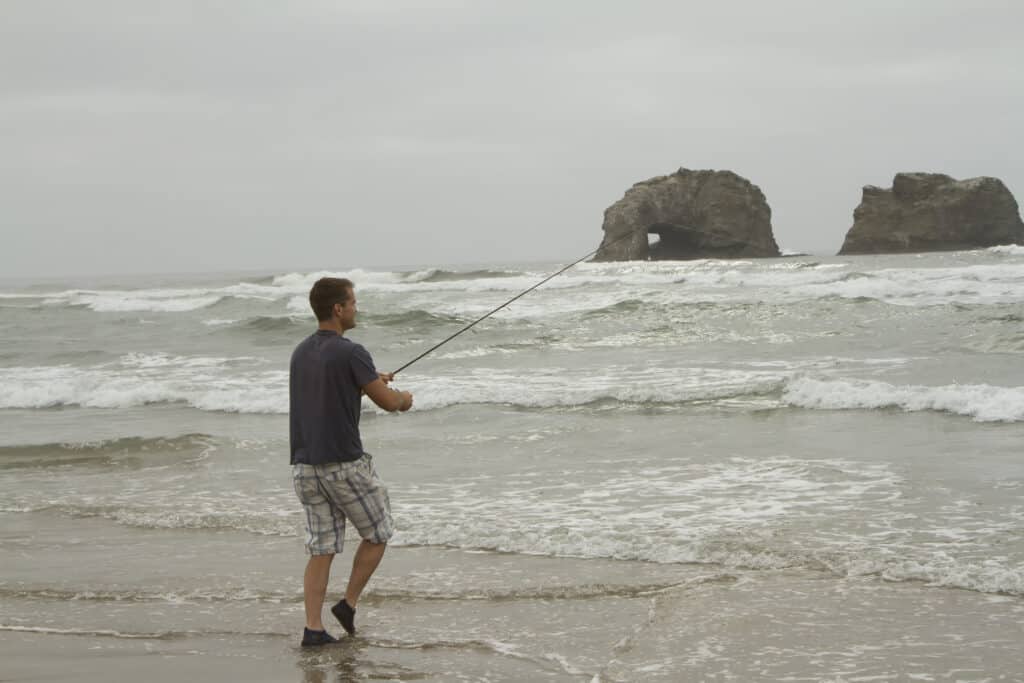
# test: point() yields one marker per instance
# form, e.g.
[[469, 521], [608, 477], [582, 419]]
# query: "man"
[[333, 476]]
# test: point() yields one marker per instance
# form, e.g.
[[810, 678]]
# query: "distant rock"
[[933, 212], [696, 214]]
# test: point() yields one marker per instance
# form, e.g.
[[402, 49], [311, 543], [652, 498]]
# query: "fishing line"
[[517, 296]]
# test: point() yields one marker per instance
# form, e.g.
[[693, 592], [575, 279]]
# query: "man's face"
[[347, 312]]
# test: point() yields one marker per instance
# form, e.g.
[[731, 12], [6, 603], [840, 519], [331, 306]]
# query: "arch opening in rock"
[[653, 239], [668, 242]]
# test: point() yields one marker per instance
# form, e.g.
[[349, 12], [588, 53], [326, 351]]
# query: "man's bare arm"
[[388, 399]]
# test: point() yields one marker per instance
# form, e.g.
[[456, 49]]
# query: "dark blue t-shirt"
[[327, 374]]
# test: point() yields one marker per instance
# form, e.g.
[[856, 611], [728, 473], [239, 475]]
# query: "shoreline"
[[438, 614]]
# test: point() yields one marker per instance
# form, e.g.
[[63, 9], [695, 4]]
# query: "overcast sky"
[[197, 136]]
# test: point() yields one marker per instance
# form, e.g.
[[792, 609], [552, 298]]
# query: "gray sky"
[[177, 136]]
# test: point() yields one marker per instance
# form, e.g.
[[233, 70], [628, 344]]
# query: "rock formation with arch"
[[696, 214]]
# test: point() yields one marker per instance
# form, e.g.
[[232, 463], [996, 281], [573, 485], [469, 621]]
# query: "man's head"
[[334, 297]]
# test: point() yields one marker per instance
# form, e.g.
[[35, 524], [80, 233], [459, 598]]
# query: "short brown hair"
[[326, 292]]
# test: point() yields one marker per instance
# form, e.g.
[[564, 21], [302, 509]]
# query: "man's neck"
[[332, 325]]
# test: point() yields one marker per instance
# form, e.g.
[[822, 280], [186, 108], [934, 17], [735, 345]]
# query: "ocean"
[[795, 469]]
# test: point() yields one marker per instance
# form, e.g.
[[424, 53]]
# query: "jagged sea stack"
[[933, 212], [696, 214]]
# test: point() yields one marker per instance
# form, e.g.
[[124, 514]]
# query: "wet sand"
[[120, 603]]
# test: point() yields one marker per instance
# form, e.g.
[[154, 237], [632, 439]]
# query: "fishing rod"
[[517, 296]]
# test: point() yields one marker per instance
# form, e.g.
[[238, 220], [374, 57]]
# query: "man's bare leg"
[[368, 556], [314, 588]]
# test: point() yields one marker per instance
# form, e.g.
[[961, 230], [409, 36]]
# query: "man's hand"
[[388, 399], [386, 377], [406, 400]]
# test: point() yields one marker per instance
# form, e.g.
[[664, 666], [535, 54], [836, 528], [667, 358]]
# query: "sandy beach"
[[441, 615]]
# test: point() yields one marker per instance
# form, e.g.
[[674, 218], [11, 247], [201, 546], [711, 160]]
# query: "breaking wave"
[[982, 402], [1007, 250], [235, 385], [670, 282], [207, 383], [243, 385], [439, 275]]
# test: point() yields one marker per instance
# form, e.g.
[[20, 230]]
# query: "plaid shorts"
[[337, 491]]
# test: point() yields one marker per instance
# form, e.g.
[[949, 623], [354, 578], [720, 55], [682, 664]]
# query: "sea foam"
[[983, 402], [207, 383], [590, 286], [248, 385]]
